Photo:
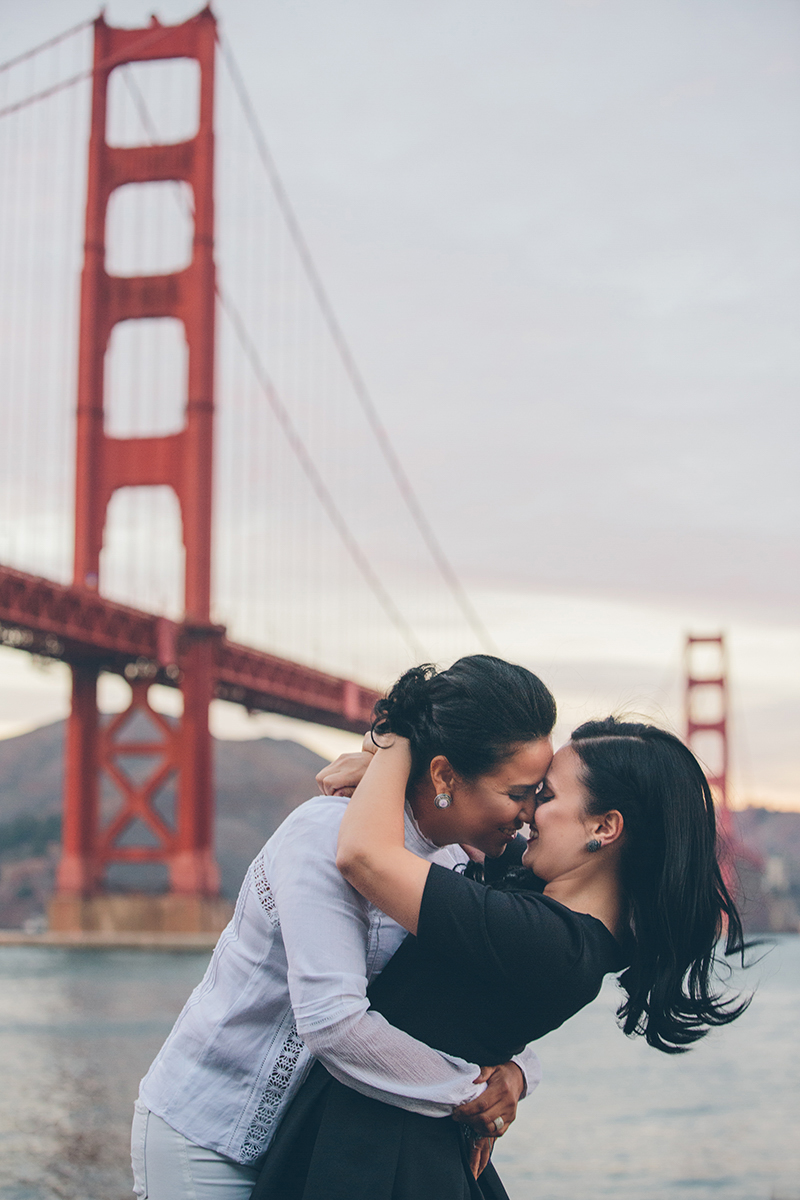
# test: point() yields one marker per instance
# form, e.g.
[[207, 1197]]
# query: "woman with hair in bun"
[[619, 874], [288, 979]]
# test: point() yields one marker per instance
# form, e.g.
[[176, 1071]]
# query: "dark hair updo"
[[678, 903], [475, 713]]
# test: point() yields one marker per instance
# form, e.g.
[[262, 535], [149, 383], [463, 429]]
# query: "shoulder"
[[523, 932], [319, 813], [319, 810], [312, 828]]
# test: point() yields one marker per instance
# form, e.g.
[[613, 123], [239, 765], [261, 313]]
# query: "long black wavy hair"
[[678, 902], [475, 713]]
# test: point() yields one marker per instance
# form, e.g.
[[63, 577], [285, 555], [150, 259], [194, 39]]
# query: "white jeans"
[[167, 1166]]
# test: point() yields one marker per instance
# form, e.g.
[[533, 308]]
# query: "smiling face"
[[561, 826], [488, 811]]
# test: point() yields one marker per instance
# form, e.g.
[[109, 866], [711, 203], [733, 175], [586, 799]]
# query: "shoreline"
[[100, 940]]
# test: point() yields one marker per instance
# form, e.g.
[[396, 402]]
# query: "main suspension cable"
[[63, 84], [48, 45], [314, 477]]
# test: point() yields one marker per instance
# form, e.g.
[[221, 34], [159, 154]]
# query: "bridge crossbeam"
[[79, 626]]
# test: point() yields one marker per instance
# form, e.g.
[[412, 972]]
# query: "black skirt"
[[335, 1144]]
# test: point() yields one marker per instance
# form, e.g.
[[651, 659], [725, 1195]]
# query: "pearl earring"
[[594, 845], [443, 800]]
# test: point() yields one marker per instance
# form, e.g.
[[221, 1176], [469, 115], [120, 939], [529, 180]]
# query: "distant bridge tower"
[[181, 460], [707, 719]]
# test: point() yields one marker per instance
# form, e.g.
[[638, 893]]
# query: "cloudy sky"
[[563, 239]]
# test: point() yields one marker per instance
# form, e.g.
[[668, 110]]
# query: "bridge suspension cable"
[[48, 45], [314, 477], [292, 434], [71, 81], [360, 389]]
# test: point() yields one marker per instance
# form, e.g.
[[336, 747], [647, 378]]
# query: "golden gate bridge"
[[143, 442], [200, 437]]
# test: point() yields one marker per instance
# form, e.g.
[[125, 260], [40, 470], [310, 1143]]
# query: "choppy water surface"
[[612, 1119]]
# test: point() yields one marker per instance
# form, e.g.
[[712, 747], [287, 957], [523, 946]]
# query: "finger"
[[474, 1108], [471, 1112], [346, 771], [479, 1156], [497, 1126], [328, 774], [494, 1097], [486, 1123], [345, 791], [475, 1157]]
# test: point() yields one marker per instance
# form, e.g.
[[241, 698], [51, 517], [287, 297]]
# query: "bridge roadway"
[[77, 626]]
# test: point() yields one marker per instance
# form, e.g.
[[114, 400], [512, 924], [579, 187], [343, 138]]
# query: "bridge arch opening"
[[154, 102], [149, 228], [142, 560], [146, 378]]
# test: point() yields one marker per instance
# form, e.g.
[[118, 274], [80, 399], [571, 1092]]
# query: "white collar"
[[415, 838]]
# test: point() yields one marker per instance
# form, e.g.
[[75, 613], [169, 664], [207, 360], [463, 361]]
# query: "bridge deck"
[[76, 625]]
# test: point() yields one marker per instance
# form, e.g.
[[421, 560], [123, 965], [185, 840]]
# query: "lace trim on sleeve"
[[264, 891], [271, 1101]]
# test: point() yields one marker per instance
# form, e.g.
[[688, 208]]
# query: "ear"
[[608, 827], [442, 774]]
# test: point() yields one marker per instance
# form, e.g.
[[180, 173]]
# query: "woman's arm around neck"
[[371, 853]]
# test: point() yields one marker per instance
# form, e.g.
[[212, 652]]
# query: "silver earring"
[[443, 800], [594, 845]]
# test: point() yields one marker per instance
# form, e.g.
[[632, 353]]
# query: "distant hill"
[[258, 783]]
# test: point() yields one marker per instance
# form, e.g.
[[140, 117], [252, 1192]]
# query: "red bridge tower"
[[181, 460], [707, 728]]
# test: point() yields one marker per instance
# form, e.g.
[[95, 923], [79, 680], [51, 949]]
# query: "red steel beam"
[[80, 627]]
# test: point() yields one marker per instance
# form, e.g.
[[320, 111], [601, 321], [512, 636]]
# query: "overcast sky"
[[563, 239]]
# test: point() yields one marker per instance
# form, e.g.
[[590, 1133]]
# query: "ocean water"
[[613, 1118]]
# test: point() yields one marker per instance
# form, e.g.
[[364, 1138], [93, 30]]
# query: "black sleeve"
[[523, 935]]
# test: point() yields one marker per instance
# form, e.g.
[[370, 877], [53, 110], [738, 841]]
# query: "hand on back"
[[493, 1111]]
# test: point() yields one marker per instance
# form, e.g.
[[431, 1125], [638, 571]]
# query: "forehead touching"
[[527, 766], [565, 767]]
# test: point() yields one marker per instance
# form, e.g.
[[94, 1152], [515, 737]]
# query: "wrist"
[[398, 749], [521, 1079]]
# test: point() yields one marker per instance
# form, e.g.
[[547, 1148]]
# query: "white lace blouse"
[[287, 982]]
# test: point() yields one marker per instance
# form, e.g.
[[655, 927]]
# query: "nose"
[[527, 809]]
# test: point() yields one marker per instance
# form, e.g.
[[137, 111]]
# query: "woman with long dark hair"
[[289, 975], [620, 874]]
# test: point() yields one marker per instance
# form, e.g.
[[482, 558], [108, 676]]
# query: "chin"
[[496, 851]]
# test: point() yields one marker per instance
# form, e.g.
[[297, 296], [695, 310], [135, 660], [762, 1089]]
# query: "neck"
[[600, 897], [419, 798]]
